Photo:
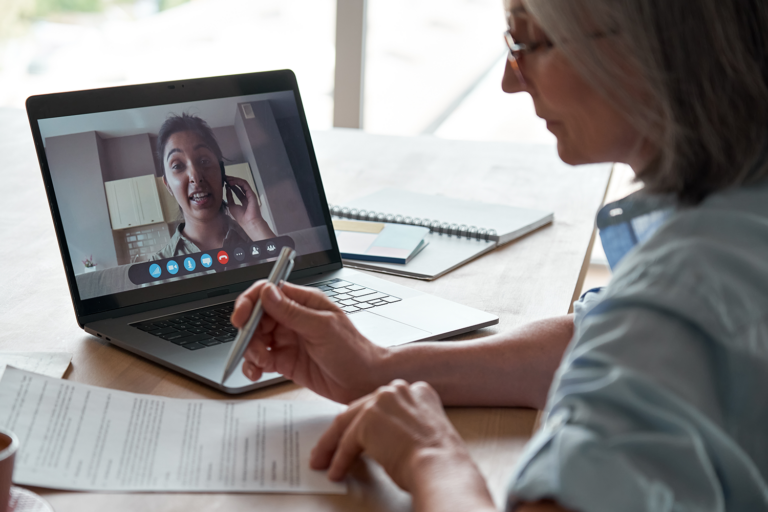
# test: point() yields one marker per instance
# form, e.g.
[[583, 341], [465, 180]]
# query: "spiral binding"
[[435, 226]]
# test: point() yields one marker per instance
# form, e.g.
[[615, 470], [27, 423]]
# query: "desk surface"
[[532, 278]]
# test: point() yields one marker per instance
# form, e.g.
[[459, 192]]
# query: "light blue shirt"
[[660, 401]]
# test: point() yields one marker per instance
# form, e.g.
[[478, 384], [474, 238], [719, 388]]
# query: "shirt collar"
[[625, 223], [234, 233]]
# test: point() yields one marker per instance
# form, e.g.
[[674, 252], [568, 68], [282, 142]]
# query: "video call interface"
[[153, 195]]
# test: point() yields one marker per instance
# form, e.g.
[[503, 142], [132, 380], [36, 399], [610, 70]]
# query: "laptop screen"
[[155, 195]]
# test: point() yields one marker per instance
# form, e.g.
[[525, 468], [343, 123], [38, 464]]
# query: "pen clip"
[[286, 273]]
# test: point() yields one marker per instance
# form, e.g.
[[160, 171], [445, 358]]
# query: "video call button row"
[[218, 260]]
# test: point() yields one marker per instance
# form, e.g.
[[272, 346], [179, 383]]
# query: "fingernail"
[[248, 370], [274, 295]]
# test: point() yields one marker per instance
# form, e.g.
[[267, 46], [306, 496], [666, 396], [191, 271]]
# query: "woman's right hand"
[[308, 339]]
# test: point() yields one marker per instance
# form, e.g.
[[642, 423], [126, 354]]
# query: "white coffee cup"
[[9, 445]]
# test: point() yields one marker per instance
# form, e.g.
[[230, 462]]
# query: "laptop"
[[170, 199]]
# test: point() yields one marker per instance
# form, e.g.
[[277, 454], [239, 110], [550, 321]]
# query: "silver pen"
[[280, 272]]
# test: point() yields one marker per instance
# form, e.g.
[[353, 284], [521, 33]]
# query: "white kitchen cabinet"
[[149, 201], [133, 202]]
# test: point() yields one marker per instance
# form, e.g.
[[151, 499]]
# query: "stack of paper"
[[52, 364], [79, 437], [379, 241]]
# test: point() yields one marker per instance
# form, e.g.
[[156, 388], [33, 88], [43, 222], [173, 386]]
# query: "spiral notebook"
[[460, 230]]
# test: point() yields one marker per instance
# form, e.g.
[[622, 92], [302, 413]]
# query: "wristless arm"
[[447, 482], [508, 369]]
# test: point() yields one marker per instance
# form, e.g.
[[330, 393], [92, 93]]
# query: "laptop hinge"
[[191, 297]]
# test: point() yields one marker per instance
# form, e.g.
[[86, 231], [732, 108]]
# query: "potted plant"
[[90, 266]]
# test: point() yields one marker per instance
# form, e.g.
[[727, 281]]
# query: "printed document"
[[52, 364], [79, 437]]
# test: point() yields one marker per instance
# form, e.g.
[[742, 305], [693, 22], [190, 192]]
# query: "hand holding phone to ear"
[[247, 213]]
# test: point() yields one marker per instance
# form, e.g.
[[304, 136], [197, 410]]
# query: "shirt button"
[[559, 418]]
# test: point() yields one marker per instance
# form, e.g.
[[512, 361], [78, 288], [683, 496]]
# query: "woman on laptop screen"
[[193, 173], [651, 389]]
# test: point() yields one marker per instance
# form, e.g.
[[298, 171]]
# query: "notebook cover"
[[444, 252], [508, 221]]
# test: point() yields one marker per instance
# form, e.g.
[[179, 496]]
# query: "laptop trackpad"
[[384, 331]]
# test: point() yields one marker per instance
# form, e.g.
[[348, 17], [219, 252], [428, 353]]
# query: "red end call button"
[[223, 257]]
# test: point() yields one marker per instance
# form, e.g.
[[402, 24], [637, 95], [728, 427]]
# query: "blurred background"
[[431, 66]]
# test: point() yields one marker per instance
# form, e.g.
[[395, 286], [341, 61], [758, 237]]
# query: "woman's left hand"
[[247, 213], [403, 427]]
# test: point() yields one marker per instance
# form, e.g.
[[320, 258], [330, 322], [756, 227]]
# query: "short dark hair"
[[186, 123]]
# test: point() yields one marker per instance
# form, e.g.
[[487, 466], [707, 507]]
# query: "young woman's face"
[[588, 128], [193, 176]]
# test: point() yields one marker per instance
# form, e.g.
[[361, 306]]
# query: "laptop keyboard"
[[353, 297], [196, 329], [209, 326]]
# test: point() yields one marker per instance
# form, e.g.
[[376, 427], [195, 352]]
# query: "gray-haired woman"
[[652, 389]]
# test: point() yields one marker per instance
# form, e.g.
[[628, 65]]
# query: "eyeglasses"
[[518, 50]]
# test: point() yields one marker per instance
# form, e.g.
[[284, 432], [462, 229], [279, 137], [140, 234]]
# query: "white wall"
[[77, 180]]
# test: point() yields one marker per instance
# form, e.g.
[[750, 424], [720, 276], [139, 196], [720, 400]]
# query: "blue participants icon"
[[172, 267], [155, 270], [206, 260], [189, 264]]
